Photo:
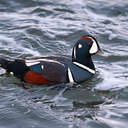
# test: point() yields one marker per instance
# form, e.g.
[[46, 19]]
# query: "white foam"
[[59, 97], [110, 81], [2, 71]]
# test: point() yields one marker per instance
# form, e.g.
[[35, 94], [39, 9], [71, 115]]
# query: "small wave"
[[110, 9], [11, 46]]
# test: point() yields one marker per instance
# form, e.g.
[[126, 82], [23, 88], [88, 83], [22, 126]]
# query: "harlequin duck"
[[55, 70]]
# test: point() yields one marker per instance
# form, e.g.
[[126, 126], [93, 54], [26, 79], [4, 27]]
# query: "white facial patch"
[[94, 48], [80, 46]]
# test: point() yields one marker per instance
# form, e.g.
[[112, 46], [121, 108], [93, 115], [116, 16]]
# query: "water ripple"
[[42, 27]]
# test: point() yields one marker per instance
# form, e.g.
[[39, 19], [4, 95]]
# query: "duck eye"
[[80, 46]]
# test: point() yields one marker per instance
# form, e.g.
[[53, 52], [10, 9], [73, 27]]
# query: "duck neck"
[[86, 62]]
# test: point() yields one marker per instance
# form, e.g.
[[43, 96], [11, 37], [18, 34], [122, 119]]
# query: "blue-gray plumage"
[[36, 68], [79, 74]]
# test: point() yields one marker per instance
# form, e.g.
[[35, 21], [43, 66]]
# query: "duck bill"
[[102, 53]]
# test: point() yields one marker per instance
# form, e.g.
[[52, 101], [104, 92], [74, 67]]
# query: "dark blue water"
[[44, 27]]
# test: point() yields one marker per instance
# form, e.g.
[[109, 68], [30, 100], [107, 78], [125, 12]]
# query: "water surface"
[[43, 27]]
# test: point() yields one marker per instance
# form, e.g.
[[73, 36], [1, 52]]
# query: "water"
[[43, 27]]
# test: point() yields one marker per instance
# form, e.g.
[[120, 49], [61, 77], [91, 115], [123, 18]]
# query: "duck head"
[[84, 48]]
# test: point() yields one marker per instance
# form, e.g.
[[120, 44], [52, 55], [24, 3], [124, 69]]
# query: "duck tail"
[[17, 67], [4, 63]]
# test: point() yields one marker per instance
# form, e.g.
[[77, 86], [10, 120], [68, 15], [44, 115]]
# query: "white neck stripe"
[[85, 67]]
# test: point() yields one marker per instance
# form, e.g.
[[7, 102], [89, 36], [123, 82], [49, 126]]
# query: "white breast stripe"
[[85, 67], [31, 63], [70, 76]]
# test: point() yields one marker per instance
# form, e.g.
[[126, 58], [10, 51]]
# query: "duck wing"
[[50, 68]]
